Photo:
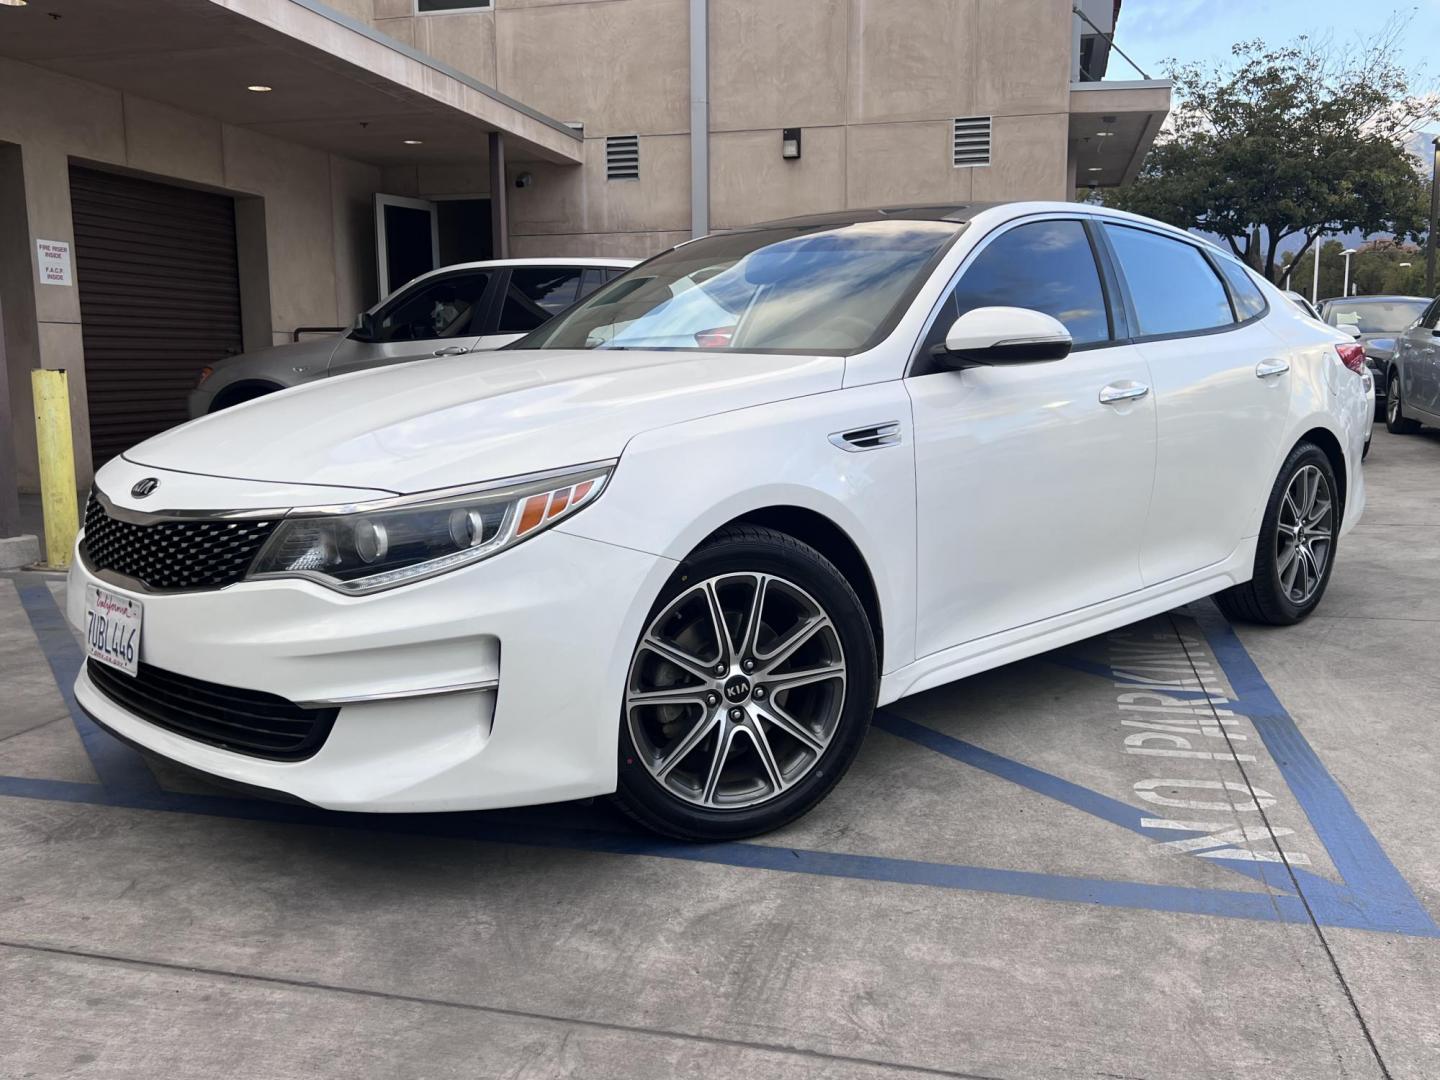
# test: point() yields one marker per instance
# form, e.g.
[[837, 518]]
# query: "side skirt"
[[1006, 647]]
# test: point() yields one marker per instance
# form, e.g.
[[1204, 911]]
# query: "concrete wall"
[[312, 264], [873, 83]]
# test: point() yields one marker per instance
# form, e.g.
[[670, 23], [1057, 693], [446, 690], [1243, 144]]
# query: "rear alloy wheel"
[[749, 691], [1396, 422], [1296, 548]]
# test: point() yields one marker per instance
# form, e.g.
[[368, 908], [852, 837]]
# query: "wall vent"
[[622, 157], [970, 144]]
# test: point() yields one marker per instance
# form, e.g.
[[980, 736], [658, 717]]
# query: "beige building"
[[182, 179]]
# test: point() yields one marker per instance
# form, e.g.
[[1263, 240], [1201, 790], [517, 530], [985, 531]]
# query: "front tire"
[[1396, 422], [1295, 552], [750, 690]]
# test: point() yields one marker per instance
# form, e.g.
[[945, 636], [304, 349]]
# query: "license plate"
[[112, 629]]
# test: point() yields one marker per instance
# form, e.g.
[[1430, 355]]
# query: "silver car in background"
[[1412, 375], [1375, 322], [466, 307]]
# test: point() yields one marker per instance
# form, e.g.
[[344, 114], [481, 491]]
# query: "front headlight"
[[361, 549]]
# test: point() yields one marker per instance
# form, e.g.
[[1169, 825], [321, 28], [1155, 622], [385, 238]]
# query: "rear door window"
[[1172, 285], [536, 294], [1249, 300]]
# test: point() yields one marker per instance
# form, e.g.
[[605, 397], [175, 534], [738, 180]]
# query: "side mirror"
[[1352, 330], [363, 328], [1003, 335]]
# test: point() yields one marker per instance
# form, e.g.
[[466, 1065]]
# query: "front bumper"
[[551, 623]]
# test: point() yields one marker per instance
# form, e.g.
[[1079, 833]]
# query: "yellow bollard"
[[51, 390]]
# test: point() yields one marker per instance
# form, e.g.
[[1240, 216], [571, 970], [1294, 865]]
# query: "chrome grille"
[[172, 556]]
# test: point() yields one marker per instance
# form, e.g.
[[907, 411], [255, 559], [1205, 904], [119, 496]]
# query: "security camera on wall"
[[524, 180]]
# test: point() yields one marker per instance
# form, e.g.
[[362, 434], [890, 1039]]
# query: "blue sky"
[[1153, 30]]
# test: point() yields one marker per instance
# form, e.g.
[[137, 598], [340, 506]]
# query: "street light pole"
[[1315, 277], [1434, 218], [1345, 288]]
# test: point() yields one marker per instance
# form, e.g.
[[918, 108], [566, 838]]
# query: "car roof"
[[955, 212], [963, 213], [620, 264]]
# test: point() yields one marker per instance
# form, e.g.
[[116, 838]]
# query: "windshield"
[[1376, 316], [829, 290]]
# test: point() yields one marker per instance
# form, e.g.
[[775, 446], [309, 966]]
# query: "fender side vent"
[[868, 438]]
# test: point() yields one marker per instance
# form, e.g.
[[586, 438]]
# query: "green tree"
[[1377, 267], [1300, 140]]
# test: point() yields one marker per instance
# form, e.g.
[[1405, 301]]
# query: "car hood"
[[459, 420]]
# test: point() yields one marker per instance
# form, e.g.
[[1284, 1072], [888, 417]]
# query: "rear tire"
[[757, 729], [1295, 552], [1396, 422]]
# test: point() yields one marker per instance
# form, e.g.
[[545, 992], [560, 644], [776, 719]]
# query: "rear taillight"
[[1353, 357]]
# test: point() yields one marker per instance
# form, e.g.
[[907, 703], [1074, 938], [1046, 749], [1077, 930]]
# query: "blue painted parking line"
[[1081, 798], [1353, 849], [118, 767], [125, 781]]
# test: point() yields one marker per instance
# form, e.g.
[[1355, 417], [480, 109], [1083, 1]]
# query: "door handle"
[[451, 350], [1268, 369], [1123, 391]]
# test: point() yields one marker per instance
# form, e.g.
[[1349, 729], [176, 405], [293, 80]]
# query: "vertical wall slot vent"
[[622, 157], [971, 141]]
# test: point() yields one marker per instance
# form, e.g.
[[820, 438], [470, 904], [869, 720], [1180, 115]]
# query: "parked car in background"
[[1375, 321], [1412, 375], [679, 542], [467, 307]]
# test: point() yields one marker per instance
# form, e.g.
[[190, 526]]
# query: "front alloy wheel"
[[736, 690], [748, 692]]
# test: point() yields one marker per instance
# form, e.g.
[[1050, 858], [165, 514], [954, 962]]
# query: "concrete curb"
[[18, 551]]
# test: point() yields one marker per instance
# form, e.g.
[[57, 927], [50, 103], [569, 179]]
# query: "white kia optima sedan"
[[678, 543]]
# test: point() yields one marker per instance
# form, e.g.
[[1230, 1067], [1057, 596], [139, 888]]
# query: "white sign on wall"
[[54, 261]]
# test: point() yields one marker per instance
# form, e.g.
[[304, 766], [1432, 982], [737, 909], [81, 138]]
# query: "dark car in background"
[[1379, 321], [1412, 374]]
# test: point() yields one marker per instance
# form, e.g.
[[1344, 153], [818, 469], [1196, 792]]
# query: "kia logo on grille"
[[145, 487]]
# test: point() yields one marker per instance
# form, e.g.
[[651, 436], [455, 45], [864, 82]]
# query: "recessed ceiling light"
[[258, 89], [1095, 168], [1102, 134], [14, 3], [413, 142]]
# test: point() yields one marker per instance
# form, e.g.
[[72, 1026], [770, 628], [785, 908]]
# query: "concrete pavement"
[[1003, 887]]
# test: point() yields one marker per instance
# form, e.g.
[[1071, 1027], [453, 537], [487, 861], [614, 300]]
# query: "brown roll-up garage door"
[[159, 299]]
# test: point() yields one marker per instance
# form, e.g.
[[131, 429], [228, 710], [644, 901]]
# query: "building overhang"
[[1112, 126], [337, 84]]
